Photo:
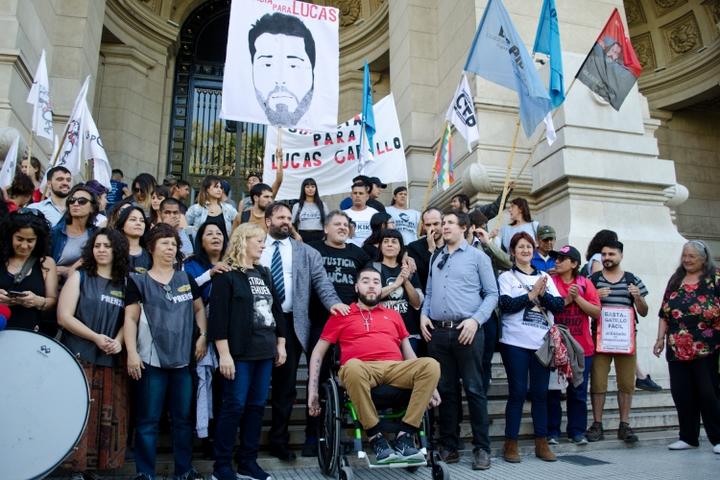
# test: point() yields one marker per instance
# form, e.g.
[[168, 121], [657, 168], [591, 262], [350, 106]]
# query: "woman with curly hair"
[[592, 254], [90, 311], [133, 224], [210, 208], [690, 325], [162, 309], [248, 327], [28, 278]]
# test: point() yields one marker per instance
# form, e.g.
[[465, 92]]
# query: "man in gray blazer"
[[295, 269]]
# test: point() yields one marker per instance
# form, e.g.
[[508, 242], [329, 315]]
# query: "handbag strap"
[[24, 271]]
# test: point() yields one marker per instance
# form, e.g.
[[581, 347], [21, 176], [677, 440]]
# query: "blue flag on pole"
[[499, 55], [547, 41], [368, 117]]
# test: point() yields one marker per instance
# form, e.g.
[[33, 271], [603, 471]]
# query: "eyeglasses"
[[78, 200], [168, 292], [443, 261]]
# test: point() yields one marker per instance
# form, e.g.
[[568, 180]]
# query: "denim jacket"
[[197, 214], [58, 238]]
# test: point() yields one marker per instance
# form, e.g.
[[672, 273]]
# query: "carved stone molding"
[[645, 51], [713, 9], [127, 56], [664, 6], [128, 19], [682, 35], [634, 12]]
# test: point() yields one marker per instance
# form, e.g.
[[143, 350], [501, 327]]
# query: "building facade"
[[648, 171]]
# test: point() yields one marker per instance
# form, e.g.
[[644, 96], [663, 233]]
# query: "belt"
[[446, 323]]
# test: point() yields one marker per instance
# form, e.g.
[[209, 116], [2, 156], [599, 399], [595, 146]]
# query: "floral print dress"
[[692, 313]]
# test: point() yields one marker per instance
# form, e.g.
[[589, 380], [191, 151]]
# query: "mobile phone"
[[15, 293]]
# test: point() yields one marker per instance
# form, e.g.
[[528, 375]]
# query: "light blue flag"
[[499, 55], [547, 41], [368, 116]]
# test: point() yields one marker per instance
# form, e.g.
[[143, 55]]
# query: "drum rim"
[[87, 391]]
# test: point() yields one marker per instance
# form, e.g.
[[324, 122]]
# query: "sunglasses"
[[79, 200], [168, 292], [136, 190]]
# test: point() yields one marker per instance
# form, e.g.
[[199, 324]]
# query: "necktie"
[[276, 269]]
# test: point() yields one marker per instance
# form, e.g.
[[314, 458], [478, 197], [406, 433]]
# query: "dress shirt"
[[52, 213], [464, 288], [286, 256]]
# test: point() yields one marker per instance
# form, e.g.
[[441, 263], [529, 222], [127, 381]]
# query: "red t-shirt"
[[577, 321], [367, 336]]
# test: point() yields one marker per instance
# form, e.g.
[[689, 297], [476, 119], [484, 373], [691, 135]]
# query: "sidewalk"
[[647, 460]]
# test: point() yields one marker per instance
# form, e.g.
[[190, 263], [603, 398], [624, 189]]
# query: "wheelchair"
[[338, 418]]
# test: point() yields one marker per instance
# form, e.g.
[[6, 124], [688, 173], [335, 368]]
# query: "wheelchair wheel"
[[329, 439], [346, 473], [440, 471]]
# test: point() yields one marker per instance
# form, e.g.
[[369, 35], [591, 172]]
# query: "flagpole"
[[62, 142], [507, 173]]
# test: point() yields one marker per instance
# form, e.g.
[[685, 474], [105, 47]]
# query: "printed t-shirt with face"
[[577, 321], [167, 318], [398, 298], [362, 224], [100, 307], [262, 345], [341, 265], [367, 335], [406, 222]]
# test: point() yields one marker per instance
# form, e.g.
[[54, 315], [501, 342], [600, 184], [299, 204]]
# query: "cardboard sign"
[[616, 331]]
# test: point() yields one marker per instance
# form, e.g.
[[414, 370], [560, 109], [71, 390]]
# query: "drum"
[[44, 404]]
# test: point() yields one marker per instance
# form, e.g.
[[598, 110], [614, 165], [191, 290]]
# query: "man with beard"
[[282, 52], [616, 288], [296, 269], [422, 249], [262, 196], [375, 350], [53, 207]]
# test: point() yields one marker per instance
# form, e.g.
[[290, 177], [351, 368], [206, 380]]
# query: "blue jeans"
[[518, 363], [576, 407], [243, 402], [460, 362], [154, 385]]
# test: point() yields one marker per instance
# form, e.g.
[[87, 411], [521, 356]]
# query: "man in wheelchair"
[[375, 350]]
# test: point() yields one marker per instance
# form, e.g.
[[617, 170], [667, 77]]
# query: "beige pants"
[[421, 375]]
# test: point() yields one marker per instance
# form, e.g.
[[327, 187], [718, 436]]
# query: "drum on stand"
[[44, 404]]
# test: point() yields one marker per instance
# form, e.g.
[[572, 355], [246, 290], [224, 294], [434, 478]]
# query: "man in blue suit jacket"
[[296, 269]]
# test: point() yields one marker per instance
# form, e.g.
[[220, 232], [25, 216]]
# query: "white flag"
[[550, 135], [8, 169], [39, 98], [366, 156], [70, 150], [461, 113], [94, 150]]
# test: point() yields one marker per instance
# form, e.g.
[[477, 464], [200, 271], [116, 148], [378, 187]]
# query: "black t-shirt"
[[376, 205], [263, 336], [398, 299], [341, 265]]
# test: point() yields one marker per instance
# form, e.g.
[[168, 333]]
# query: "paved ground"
[[602, 461]]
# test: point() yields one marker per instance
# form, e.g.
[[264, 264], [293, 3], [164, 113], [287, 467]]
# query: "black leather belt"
[[446, 323]]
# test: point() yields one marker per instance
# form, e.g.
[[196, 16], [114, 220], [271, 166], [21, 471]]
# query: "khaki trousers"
[[421, 375]]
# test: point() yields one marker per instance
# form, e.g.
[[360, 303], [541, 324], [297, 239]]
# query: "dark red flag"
[[612, 67]]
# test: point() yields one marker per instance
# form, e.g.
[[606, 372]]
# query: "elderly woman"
[[161, 308], [528, 300], [69, 236], [690, 324], [90, 311], [28, 279], [248, 327]]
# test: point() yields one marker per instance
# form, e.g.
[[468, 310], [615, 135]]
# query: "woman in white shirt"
[[520, 221], [308, 214], [528, 299]]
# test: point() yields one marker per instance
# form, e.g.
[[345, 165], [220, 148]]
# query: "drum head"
[[44, 404]]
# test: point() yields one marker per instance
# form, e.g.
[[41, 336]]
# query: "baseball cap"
[[376, 181], [545, 232], [567, 251]]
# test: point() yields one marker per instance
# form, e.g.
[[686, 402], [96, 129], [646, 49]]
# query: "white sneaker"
[[680, 445], [716, 448]]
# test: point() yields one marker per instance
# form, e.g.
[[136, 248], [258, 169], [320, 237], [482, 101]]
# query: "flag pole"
[[29, 154], [434, 169], [62, 142], [507, 173]]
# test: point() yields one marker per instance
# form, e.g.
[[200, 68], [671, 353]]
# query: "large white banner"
[[281, 66], [332, 158]]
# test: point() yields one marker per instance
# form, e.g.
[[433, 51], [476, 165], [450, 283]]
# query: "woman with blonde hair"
[[248, 327], [210, 208]]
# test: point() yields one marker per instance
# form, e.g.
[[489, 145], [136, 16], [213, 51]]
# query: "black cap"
[[376, 181], [567, 251]]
